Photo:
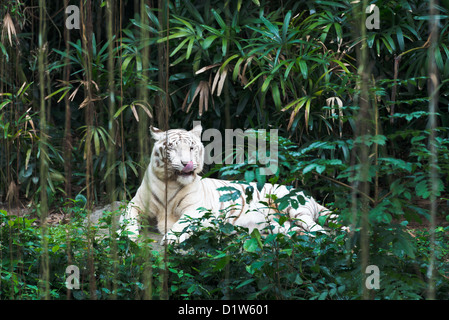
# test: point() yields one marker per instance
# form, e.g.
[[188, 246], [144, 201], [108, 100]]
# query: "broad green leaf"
[[249, 176], [232, 194], [261, 179], [255, 234], [251, 245]]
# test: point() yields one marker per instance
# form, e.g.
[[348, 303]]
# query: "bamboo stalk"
[[122, 129], [361, 152], [144, 140], [67, 129], [111, 183], [163, 104], [86, 37], [43, 169], [166, 11], [143, 136], [433, 101]]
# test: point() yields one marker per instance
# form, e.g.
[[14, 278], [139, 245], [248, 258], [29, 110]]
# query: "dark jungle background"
[[362, 115]]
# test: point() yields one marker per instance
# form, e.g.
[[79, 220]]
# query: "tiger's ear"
[[197, 130], [156, 133]]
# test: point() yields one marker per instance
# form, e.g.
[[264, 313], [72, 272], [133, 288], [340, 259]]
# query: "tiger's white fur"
[[177, 150]]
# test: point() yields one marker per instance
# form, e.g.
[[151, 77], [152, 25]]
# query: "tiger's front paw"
[[169, 238]]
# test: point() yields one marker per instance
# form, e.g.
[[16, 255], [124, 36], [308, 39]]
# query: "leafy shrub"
[[118, 262], [223, 261], [220, 261]]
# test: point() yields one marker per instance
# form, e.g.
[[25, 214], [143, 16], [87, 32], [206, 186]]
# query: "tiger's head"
[[183, 151]]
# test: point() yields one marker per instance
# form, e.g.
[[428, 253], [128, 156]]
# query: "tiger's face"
[[183, 152]]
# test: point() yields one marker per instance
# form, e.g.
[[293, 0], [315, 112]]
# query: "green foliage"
[[118, 262], [225, 261], [218, 261]]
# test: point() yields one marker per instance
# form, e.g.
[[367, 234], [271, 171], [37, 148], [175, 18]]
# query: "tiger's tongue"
[[188, 167]]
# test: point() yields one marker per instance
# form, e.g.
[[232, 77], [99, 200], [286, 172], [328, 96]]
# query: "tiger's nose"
[[187, 166]]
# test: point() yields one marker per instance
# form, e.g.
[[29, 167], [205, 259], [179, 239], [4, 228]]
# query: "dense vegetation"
[[362, 128]]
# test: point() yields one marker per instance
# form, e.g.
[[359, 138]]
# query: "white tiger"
[[186, 191]]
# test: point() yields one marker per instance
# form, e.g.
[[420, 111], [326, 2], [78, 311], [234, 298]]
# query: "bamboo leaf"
[[276, 95], [104, 136], [254, 79], [179, 47], [224, 46], [272, 28], [96, 142], [341, 65], [174, 36], [27, 159], [221, 82], [126, 62], [303, 68], [338, 31], [4, 103], [203, 69], [266, 83], [180, 59], [439, 59], [145, 108], [307, 112], [132, 166], [400, 38], [186, 23], [239, 5], [223, 66], [298, 102], [208, 41], [133, 109], [197, 90], [119, 111], [286, 25], [190, 47], [219, 19], [236, 71], [389, 43]]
